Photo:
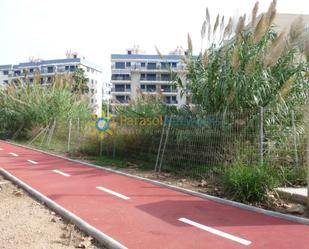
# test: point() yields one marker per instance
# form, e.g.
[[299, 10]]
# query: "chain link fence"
[[184, 145]]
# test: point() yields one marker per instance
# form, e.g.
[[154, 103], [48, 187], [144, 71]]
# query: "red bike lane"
[[139, 214]]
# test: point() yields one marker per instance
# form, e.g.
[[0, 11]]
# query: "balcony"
[[120, 90]]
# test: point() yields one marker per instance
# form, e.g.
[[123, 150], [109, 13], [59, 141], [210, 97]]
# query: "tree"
[[80, 82]]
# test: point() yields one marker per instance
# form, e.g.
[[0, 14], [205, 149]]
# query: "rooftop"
[[36, 63]]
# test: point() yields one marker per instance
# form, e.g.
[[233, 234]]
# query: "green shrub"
[[249, 183], [27, 106]]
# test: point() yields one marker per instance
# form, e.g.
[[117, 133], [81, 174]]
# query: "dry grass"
[[260, 29], [190, 46], [271, 13], [221, 27], [216, 24], [228, 29], [296, 30], [275, 50], [235, 59], [205, 59], [254, 14], [240, 27]]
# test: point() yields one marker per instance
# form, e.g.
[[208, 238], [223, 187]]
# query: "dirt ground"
[[27, 224]]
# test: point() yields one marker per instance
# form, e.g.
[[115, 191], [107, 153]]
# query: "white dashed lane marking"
[[33, 162], [216, 232], [13, 154], [113, 193], [60, 172]]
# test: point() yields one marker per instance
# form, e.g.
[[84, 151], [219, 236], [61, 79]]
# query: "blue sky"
[[97, 28]]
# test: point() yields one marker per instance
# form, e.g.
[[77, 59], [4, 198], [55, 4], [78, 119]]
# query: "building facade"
[[136, 73], [46, 69]]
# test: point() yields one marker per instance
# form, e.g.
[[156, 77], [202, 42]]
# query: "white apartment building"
[[48, 68], [137, 73]]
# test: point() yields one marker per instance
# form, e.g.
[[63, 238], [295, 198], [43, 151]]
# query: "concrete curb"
[[298, 198], [81, 224], [288, 217]]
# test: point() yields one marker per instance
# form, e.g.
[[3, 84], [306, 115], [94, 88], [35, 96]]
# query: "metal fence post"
[[295, 139], [101, 146], [160, 145], [78, 132], [261, 135], [114, 147], [51, 133], [308, 148], [164, 146], [69, 137]]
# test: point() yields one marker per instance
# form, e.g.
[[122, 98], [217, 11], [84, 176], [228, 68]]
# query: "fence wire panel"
[[285, 143], [201, 146], [183, 145]]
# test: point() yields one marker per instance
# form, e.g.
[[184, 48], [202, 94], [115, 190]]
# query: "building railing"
[[120, 89], [158, 67]]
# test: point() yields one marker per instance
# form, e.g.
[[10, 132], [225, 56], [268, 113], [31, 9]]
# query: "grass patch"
[[108, 161], [249, 183], [294, 176]]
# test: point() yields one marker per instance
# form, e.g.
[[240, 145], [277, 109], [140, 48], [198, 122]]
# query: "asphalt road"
[[142, 215]]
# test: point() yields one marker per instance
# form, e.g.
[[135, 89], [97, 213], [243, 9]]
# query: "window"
[[151, 88], [143, 87], [143, 64], [6, 82], [128, 86], [49, 79], [122, 99], [50, 69], [6, 72], [165, 88], [143, 76], [31, 70], [151, 65], [174, 64], [165, 77], [67, 68], [128, 64], [164, 65], [120, 65], [168, 99], [120, 88], [121, 77], [17, 73], [72, 68], [151, 77]]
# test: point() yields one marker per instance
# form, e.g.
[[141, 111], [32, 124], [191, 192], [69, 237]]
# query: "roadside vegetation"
[[25, 107]]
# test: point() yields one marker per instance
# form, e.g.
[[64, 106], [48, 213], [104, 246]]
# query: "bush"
[[249, 183], [24, 107]]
